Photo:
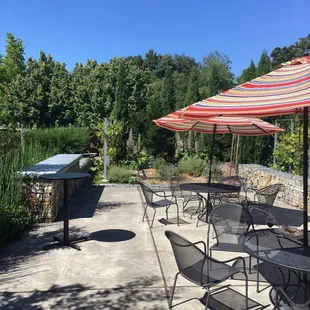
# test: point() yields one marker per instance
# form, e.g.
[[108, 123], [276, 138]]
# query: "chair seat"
[[161, 203], [212, 272], [227, 247]]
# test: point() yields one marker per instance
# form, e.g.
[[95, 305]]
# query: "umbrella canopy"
[[243, 126], [283, 91]]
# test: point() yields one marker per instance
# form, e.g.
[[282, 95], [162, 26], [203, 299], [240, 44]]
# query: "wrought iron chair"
[[155, 200], [232, 197], [282, 301], [184, 196], [196, 266], [229, 222], [265, 197]]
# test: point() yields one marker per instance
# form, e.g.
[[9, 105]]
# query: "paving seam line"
[[60, 278], [157, 254]]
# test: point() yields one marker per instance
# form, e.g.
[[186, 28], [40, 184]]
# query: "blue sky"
[[77, 30]]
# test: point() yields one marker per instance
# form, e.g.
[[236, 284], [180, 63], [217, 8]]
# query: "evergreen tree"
[[264, 64], [192, 93], [14, 60], [248, 74], [120, 109]]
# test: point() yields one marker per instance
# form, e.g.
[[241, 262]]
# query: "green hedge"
[[66, 140]]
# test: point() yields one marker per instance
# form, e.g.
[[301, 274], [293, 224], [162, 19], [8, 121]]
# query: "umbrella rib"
[[194, 125], [229, 129], [261, 128]]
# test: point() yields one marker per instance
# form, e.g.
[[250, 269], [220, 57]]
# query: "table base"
[[70, 243]]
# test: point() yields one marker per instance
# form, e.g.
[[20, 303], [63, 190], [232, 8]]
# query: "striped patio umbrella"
[[283, 91], [243, 126]]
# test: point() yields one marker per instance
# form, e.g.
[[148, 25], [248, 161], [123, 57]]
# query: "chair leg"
[[153, 218], [167, 211], [144, 213], [178, 218], [250, 264], [173, 289], [246, 291], [257, 279], [208, 297]]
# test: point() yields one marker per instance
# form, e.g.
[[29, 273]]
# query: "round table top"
[[213, 188], [280, 250], [65, 176]]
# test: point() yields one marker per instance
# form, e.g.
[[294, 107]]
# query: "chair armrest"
[[236, 259], [204, 245], [172, 197], [157, 191]]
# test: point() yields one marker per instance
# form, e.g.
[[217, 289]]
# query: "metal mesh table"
[[282, 251], [212, 188]]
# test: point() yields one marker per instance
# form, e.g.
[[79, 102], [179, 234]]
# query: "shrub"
[[118, 174], [66, 140], [193, 166], [164, 169], [14, 220], [216, 171]]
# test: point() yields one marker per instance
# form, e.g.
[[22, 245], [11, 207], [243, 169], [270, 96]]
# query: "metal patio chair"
[[155, 200], [229, 222], [231, 197], [183, 195], [264, 198], [282, 301], [197, 267]]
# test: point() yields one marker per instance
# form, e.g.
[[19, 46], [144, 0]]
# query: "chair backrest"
[[185, 252], [147, 193], [230, 221], [234, 180], [269, 193], [174, 186]]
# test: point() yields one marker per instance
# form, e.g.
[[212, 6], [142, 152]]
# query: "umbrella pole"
[[305, 176], [212, 153], [231, 154]]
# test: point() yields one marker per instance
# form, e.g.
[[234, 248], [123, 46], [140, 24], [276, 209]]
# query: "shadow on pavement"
[[112, 235], [126, 296]]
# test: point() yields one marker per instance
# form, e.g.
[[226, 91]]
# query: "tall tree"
[[264, 64], [60, 108], [14, 60], [248, 74], [216, 76], [120, 109]]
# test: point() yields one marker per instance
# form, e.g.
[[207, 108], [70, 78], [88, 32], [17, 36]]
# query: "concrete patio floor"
[[124, 265]]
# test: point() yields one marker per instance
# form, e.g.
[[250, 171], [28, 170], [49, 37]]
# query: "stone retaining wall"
[[46, 198], [260, 176]]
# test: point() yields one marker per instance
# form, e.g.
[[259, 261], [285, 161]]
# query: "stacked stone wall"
[[259, 176], [46, 198]]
